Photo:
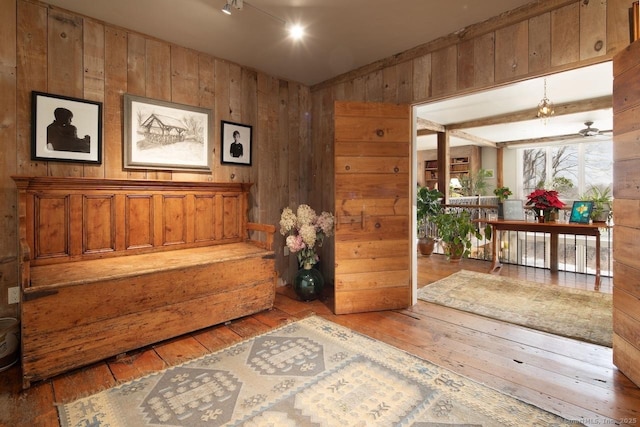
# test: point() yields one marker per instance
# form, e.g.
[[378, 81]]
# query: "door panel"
[[373, 208], [626, 231]]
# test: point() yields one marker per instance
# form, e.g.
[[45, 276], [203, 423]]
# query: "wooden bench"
[[108, 266]]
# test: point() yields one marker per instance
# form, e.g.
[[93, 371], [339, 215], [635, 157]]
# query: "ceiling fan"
[[589, 131]]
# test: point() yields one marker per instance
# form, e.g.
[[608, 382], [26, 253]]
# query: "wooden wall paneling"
[[52, 217], [421, 78], [139, 221], [98, 223], [484, 59], [93, 59], [136, 64], [65, 74], [31, 75], [8, 138], [184, 90], [174, 219], [157, 85], [204, 223], [618, 33], [444, 66], [512, 51], [466, 64], [540, 43], [565, 35], [250, 116], [627, 144], [116, 83], [374, 86], [624, 245], [223, 112], [593, 28], [626, 180], [405, 79]]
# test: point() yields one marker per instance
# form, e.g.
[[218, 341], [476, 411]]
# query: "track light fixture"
[[235, 3]]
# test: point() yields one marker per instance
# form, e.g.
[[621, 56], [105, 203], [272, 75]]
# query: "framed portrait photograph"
[[65, 129], [165, 135], [581, 212], [236, 143]]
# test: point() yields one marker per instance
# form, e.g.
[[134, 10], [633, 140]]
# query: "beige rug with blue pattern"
[[308, 373], [572, 313]]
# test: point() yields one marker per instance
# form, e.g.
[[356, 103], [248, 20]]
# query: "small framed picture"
[[65, 129], [581, 212], [165, 135], [236, 143], [513, 210]]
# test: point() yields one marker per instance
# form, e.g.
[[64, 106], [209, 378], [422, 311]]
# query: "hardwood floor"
[[573, 379]]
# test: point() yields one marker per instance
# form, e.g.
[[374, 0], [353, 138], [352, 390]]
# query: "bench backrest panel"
[[67, 219]]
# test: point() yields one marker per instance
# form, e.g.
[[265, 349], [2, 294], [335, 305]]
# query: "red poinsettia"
[[544, 199]]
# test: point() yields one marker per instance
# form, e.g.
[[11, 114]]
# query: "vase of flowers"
[[306, 231], [503, 194], [545, 202]]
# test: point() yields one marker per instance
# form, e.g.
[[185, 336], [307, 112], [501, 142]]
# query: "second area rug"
[[308, 373], [574, 313]]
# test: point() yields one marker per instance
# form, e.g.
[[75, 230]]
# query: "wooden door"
[[626, 211], [373, 207]]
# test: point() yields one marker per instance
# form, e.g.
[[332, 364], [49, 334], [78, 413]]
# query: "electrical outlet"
[[13, 295], [286, 251]]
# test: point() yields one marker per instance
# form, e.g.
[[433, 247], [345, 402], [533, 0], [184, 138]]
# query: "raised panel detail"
[[174, 216], [52, 229], [205, 218], [138, 221], [231, 227], [98, 225]]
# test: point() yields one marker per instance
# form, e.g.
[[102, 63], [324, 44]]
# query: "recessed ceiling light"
[[296, 32]]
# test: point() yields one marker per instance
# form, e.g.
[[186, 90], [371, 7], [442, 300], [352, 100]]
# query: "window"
[[572, 169]]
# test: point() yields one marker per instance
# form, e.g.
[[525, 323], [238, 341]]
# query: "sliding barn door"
[[373, 207], [626, 209]]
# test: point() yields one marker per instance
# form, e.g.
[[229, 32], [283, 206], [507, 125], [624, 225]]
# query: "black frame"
[[578, 213], [86, 121], [227, 138]]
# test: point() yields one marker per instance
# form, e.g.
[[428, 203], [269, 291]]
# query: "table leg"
[[597, 284], [495, 262], [553, 252]]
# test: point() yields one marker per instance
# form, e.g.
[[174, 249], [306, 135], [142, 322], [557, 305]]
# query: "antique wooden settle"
[[108, 266]]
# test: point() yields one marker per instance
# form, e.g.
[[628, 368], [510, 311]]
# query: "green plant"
[[428, 205], [456, 230], [503, 193], [602, 200], [475, 183]]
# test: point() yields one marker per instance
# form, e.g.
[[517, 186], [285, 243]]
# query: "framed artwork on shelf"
[[581, 212], [65, 129], [165, 135], [236, 143]]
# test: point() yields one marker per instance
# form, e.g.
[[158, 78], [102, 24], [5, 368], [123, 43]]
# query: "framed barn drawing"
[[165, 135], [236, 143], [65, 129]]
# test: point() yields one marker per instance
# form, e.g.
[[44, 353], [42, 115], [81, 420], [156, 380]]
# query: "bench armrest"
[[267, 229]]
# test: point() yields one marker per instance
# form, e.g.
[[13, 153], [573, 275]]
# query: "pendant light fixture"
[[545, 107]]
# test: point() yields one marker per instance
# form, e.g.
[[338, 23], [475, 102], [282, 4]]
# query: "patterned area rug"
[[308, 373], [574, 313]]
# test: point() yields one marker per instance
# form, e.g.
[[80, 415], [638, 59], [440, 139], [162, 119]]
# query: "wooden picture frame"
[[581, 212], [236, 143], [65, 129], [165, 135]]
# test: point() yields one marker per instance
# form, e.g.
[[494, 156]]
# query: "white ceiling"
[[341, 34], [581, 84]]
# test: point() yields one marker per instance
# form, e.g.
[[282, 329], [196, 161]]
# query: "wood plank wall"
[[539, 38], [51, 50]]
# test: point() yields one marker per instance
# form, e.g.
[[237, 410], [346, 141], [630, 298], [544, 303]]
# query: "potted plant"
[[428, 205], [503, 194], [602, 201], [456, 229], [546, 204]]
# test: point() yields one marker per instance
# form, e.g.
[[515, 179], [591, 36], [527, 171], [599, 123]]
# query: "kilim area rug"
[[574, 313], [307, 373]]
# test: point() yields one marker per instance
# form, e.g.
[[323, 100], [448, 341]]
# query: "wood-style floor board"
[[573, 379]]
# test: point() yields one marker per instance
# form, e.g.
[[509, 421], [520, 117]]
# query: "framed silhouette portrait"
[[65, 129], [236, 143]]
